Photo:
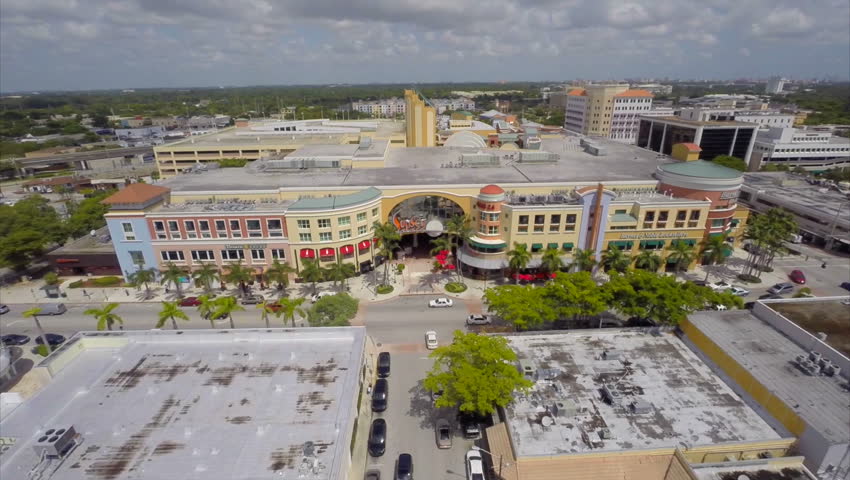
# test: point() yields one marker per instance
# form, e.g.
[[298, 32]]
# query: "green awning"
[[536, 245], [567, 246], [552, 245], [652, 243], [686, 241], [620, 244]]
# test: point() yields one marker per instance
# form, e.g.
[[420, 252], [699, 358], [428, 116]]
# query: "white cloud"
[[744, 51], [783, 22]]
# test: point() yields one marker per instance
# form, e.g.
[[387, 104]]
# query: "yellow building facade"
[[420, 121]]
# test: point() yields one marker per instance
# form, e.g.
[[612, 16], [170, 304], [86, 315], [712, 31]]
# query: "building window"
[[492, 230], [159, 228], [174, 229], [539, 219], [324, 223], [254, 229], [694, 214], [202, 255], [278, 254], [375, 212], [204, 227], [137, 257], [305, 237], [189, 225], [303, 224], [258, 256], [556, 219], [275, 227], [344, 220], [129, 234], [235, 229], [344, 234], [662, 219], [538, 229], [361, 217], [362, 229], [220, 229], [483, 216], [325, 236], [719, 222], [232, 255], [523, 219], [172, 255]]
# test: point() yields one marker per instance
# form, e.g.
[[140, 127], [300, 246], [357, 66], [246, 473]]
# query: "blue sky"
[[87, 44]]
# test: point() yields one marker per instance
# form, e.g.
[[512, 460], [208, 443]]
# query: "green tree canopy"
[[105, 317], [224, 307], [731, 162], [312, 272], [476, 373], [576, 295], [170, 311], [333, 311], [523, 306], [289, 308]]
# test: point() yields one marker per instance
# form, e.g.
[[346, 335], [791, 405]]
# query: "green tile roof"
[[339, 201], [701, 168], [623, 217]]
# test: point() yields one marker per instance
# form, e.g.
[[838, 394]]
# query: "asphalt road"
[[406, 319]]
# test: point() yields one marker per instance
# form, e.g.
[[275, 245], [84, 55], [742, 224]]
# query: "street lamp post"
[[475, 447]]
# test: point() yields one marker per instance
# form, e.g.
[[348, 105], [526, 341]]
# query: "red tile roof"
[[634, 93], [136, 193], [579, 92], [693, 147]]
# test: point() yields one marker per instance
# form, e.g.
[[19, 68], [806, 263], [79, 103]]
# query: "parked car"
[[431, 340], [378, 437], [699, 283], [404, 467], [315, 298], [781, 288], [845, 285], [384, 364], [252, 299], [4, 308], [719, 286], [443, 433], [797, 276], [738, 291], [372, 475], [190, 302], [14, 339], [53, 309], [770, 296], [441, 302], [478, 319], [474, 465], [53, 339], [380, 395], [469, 424]]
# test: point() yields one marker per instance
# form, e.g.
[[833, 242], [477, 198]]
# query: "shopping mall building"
[[292, 208]]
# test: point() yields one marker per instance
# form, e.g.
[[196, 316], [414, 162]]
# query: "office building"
[[609, 111], [776, 357], [390, 107], [622, 405], [814, 150], [774, 85], [714, 138], [766, 119], [319, 203], [557, 99], [151, 405], [420, 120], [655, 88]]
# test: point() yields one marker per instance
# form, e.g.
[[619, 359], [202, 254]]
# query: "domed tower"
[[485, 250]]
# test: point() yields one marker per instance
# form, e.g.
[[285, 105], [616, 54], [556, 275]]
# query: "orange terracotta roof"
[[136, 193], [634, 93], [579, 92], [693, 147], [492, 190], [57, 181]]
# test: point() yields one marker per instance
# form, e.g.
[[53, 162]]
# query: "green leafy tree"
[[34, 313], [240, 275], [730, 162], [523, 306], [279, 273], [459, 230], [88, 214], [339, 272], [206, 308], [575, 295], [681, 254], [173, 274], [551, 260], [476, 374], [144, 276], [648, 260], [105, 316], [584, 260], [518, 259], [170, 311], [312, 272], [616, 260], [388, 237], [50, 278], [333, 311], [289, 308], [225, 306], [715, 249], [21, 247], [206, 275]]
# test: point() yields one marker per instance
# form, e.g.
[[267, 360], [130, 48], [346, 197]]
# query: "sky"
[[97, 44]]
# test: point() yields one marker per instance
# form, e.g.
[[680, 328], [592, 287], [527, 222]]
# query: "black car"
[[404, 467], [770, 296], [14, 339], [845, 285], [380, 395], [384, 364], [378, 437], [470, 424], [52, 338]]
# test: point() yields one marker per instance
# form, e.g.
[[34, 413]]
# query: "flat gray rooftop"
[[799, 196], [768, 356], [202, 404], [753, 469], [677, 400], [100, 242], [440, 166]]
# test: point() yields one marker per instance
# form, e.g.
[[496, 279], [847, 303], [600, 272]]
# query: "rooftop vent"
[[640, 407], [55, 441]]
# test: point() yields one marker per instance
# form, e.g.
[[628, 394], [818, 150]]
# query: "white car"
[[719, 286], [431, 339], [474, 465], [441, 302], [315, 298], [478, 319], [738, 291]]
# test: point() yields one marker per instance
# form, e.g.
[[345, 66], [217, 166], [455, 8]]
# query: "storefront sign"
[[248, 246], [642, 235], [730, 195]]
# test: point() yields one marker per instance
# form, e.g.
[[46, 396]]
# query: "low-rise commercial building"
[[715, 137], [814, 150], [87, 255], [609, 111]]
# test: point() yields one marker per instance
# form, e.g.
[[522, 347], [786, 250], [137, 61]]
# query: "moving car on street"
[[252, 299], [738, 291], [781, 288], [4, 308], [53, 309], [190, 302], [441, 302], [478, 319], [797, 276], [443, 432], [719, 286], [431, 340]]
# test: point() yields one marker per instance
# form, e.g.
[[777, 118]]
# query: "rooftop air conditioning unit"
[[55, 441]]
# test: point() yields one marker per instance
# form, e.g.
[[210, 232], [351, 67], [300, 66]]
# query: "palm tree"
[[551, 260], [207, 308], [279, 273], [584, 260], [144, 276], [239, 275], [104, 316], [170, 311], [440, 244], [648, 260], [339, 272], [388, 237], [34, 313], [681, 254], [518, 259], [312, 272], [459, 230], [206, 275], [226, 306], [615, 259], [715, 249], [173, 274], [266, 307], [289, 307]]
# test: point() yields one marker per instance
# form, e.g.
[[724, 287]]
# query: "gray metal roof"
[[337, 201], [197, 404]]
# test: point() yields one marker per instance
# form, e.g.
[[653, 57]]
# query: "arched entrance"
[[420, 219]]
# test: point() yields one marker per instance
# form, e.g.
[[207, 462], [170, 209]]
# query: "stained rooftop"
[[660, 395], [782, 469], [245, 404]]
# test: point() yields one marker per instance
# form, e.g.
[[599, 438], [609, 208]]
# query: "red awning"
[[67, 260], [346, 249], [364, 244], [326, 252], [308, 253]]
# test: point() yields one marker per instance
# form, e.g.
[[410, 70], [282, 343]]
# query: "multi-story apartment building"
[[453, 104], [396, 106], [609, 111], [811, 149], [774, 85]]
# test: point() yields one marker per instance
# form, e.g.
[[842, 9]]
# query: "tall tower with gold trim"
[[420, 121]]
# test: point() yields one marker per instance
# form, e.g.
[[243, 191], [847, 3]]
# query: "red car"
[[797, 276], [190, 302]]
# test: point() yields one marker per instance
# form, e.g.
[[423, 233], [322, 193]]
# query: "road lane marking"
[[14, 323]]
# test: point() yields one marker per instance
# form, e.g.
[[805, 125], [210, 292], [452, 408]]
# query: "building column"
[[734, 139], [750, 147], [663, 137], [649, 139], [698, 136]]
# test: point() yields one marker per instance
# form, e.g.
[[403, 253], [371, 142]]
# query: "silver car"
[[443, 433], [53, 309], [478, 319], [252, 300]]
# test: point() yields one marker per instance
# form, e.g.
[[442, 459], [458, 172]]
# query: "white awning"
[[483, 263]]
